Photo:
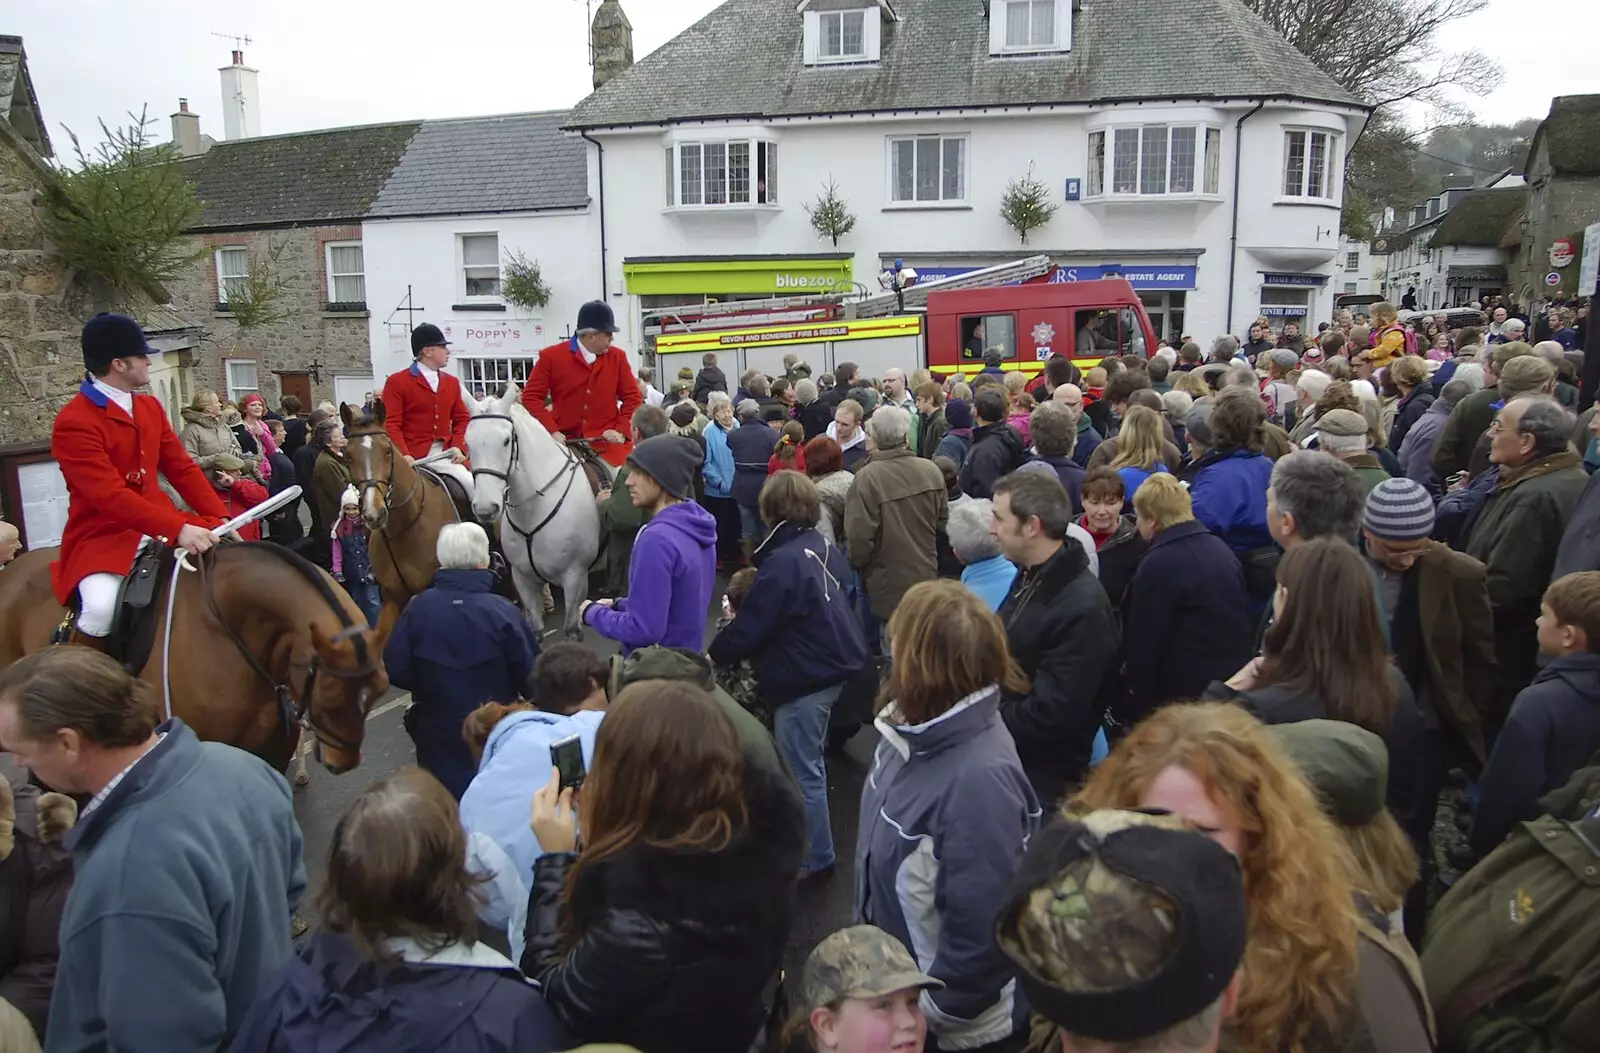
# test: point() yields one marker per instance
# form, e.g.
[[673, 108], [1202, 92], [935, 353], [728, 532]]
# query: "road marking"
[[308, 742]]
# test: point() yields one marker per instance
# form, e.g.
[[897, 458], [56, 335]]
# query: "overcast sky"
[[327, 63]]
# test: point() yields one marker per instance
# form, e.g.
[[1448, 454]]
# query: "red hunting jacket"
[[109, 461], [585, 400], [416, 416]]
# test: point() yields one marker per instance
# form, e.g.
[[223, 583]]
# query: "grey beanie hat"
[[1399, 510], [671, 460]]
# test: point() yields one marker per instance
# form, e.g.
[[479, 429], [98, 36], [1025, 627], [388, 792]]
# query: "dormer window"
[[843, 32], [1024, 27]]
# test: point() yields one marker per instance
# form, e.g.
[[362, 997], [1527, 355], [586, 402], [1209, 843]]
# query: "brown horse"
[[261, 641], [405, 509]]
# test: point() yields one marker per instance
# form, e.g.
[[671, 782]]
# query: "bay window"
[[735, 173], [1155, 160], [1308, 161]]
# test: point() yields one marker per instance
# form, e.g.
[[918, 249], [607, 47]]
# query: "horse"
[[539, 491], [261, 642], [404, 508]]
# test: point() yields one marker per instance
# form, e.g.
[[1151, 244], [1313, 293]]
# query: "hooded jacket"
[[494, 809], [460, 999], [1552, 731], [814, 417], [673, 946], [718, 467], [955, 444], [797, 626], [1063, 633], [669, 583], [854, 449], [207, 437], [709, 379], [752, 445], [997, 451], [1408, 411], [1229, 491], [946, 815], [892, 519]]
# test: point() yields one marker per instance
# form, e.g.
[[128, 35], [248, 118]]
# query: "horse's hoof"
[[302, 778]]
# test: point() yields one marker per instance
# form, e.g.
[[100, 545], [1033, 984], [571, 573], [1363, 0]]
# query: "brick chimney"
[[611, 41], [241, 109], [186, 132]]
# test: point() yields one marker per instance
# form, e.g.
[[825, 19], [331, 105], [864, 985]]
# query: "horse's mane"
[[305, 568]]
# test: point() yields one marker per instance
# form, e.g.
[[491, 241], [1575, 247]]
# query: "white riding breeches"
[[443, 466], [97, 603]]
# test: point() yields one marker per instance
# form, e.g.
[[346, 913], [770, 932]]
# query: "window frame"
[[1352, 260], [223, 279], [330, 275], [759, 180], [235, 391], [1329, 182], [913, 202], [967, 325], [462, 265], [471, 371], [823, 58], [999, 25], [1203, 172]]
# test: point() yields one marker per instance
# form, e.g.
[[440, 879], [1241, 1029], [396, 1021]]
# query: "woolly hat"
[[671, 460], [1197, 423], [1399, 510], [350, 497], [1346, 765], [1284, 358], [958, 413], [1342, 422]]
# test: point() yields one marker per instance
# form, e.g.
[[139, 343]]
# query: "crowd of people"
[[1170, 664]]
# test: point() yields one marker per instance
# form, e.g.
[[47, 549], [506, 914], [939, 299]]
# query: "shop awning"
[[773, 275], [1472, 274]]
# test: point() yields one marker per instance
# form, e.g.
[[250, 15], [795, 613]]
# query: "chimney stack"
[[241, 114], [186, 131], [610, 42]]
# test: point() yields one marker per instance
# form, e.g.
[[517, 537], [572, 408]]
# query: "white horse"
[[537, 489]]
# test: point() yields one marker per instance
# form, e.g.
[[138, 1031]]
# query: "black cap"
[[596, 314], [108, 337], [427, 335], [1123, 924]]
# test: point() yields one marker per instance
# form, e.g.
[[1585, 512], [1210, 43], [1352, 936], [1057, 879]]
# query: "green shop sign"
[[713, 275]]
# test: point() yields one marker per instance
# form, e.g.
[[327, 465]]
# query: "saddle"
[[139, 606], [462, 501], [452, 486], [595, 468]]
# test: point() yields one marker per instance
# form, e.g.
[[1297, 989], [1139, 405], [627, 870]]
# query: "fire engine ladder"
[[735, 313], [916, 298]]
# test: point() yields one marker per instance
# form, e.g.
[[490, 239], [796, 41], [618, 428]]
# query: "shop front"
[[1289, 297], [486, 354]]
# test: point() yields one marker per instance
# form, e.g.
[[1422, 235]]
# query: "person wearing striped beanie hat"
[[1399, 511]]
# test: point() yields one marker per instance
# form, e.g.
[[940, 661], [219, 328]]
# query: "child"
[[738, 680], [789, 453], [1554, 725], [1388, 336], [351, 564], [859, 993], [1441, 351]]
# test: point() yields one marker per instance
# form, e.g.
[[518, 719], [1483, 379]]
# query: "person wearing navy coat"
[[1186, 605], [456, 646]]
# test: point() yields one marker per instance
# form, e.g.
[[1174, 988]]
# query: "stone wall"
[[42, 306], [306, 332]]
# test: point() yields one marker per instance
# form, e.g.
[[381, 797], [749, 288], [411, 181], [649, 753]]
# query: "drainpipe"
[[601, 151], [1233, 239]]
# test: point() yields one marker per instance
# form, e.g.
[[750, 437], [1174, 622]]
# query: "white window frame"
[[488, 374], [222, 278], [462, 265], [1308, 137], [761, 156], [815, 35], [1352, 260], [238, 391], [824, 21], [890, 151], [999, 24], [328, 270], [1204, 176]]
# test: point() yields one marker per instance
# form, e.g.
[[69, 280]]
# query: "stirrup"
[[62, 633]]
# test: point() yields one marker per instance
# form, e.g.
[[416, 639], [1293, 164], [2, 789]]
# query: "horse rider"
[[423, 409], [111, 444], [591, 387]]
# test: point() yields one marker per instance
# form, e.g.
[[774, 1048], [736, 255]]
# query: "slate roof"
[[514, 163], [1482, 219], [743, 60], [1572, 133], [304, 178], [19, 105]]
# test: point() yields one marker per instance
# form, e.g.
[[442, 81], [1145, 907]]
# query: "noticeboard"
[[33, 494]]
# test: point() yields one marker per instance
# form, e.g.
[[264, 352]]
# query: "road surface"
[[824, 904]]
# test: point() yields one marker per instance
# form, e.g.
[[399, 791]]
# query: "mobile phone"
[[567, 756]]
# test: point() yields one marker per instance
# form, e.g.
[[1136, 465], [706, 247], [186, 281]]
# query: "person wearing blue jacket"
[[456, 646], [395, 966], [947, 812], [798, 627], [569, 688], [984, 568], [1228, 488], [717, 472]]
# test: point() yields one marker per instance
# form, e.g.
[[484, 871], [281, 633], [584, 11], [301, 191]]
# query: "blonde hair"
[[1014, 383], [1383, 313], [1385, 862], [1300, 952], [1140, 441], [1192, 384], [1095, 377], [947, 644], [1163, 501]]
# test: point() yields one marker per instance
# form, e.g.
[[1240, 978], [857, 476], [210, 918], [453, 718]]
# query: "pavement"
[[824, 903]]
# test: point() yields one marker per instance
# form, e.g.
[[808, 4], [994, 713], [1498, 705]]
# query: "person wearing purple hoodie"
[[674, 563]]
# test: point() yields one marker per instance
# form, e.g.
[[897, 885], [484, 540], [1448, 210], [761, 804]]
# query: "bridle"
[[385, 488], [568, 470]]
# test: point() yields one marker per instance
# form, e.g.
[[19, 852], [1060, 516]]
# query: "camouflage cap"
[[862, 961], [1123, 924]]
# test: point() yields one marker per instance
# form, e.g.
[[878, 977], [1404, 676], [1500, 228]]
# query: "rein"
[[568, 471], [297, 705], [386, 487]]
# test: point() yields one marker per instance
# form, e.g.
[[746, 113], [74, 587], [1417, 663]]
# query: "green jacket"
[[1467, 421], [1368, 471], [1510, 957], [620, 522]]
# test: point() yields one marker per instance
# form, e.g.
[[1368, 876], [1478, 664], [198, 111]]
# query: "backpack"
[[1509, 956], [1409, 334]]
